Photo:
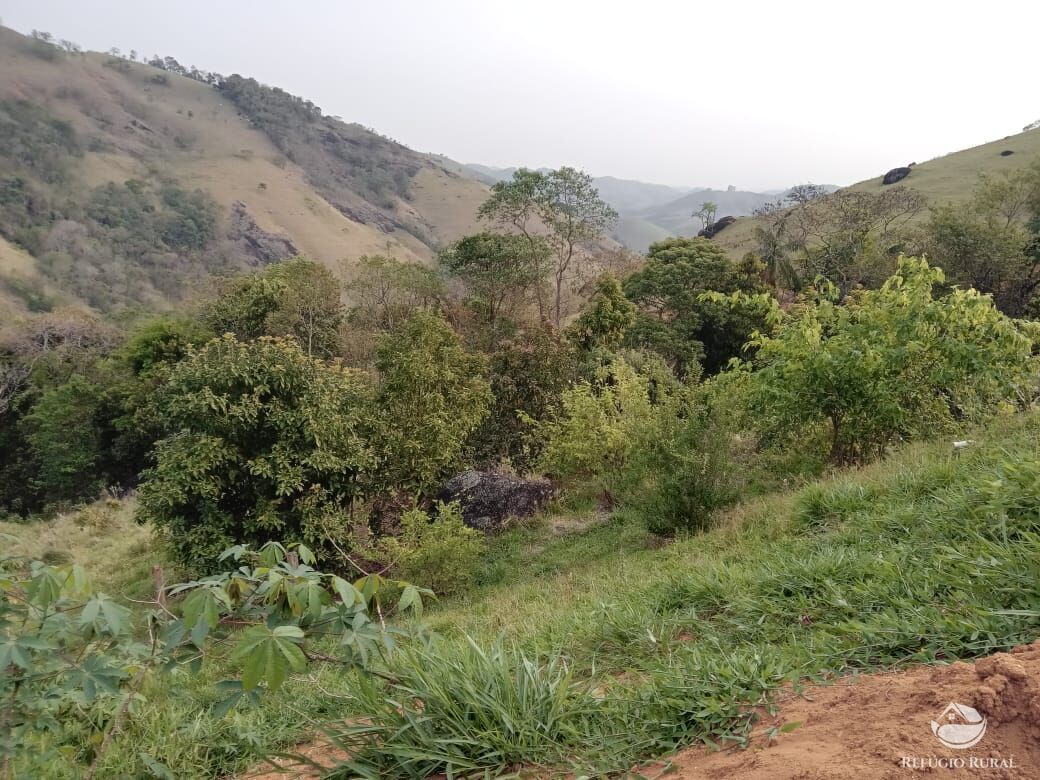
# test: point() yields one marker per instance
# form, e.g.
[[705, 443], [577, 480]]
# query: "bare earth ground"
[[865, 727], [870, 727]]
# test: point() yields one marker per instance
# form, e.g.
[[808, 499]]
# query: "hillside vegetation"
[[278, 180], [614, 649], [507, 501]]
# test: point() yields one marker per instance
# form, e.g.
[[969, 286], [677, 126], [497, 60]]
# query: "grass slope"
[[613, 647], [950, 178]]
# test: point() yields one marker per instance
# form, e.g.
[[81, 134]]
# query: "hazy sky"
[[756, 94]]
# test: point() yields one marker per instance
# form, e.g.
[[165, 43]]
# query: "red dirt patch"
[[320, 751], [878, 727]]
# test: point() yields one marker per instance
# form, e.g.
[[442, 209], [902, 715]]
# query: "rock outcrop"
[[255, 242], [896, 174], [717, 227], [488, 498]]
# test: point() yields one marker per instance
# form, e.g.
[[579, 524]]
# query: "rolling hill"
[[950, 178], [279, 175]]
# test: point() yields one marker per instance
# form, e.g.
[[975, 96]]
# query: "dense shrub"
[[497, 269], [901, 361], [528, 374], [63, 433], [676, 320], [264, 443], [432, 395], [647, 442], [162, 341], [439, 552], [602, 326], [297, 298]]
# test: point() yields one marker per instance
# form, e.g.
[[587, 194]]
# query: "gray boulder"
[[488, 498], [716, 228], [896, 174]]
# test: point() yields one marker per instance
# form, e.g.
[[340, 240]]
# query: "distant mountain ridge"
[[652, 212]]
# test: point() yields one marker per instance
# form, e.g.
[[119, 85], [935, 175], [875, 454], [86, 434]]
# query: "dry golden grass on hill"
[[138, 122], [944, 179]]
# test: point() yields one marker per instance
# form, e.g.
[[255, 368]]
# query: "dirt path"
[[877, 727], [870, 727]]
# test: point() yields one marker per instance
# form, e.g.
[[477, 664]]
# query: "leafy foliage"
[[438, 551], [65, 437], [605, 321], [386, 291], [567, 206], [850, 237], [899, 361], [498, 270], [647, 441], [675, 319], [69, 650], [264, 442], [432, 395], [990, 242], [528, 374], [296, 298]]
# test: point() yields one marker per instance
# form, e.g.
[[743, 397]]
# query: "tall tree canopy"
[[565, 206]]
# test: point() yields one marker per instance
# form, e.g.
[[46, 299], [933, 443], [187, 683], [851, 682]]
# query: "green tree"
[[432, 395], [264, 442], [310, 308], [706, 213], [297, 298], [64, 435], [850, 238], [191, 218], [386, 291], [676, 320], [606, 319], [498, 269], [565, 205], [162, 341], [990, 242], [901, 361], [528, 373]]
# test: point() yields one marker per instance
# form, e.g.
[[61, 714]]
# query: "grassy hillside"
[[665, 643], [355, 194], [950, 178]]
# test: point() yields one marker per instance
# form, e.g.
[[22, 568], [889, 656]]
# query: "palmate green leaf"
[[45, 587], [306, 554], [410, 599], [307, 597], [347, 593], [103, 615], [272, 554], [18, 650], [96, 674], [235, 693], [267, 655], [201, 611]]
